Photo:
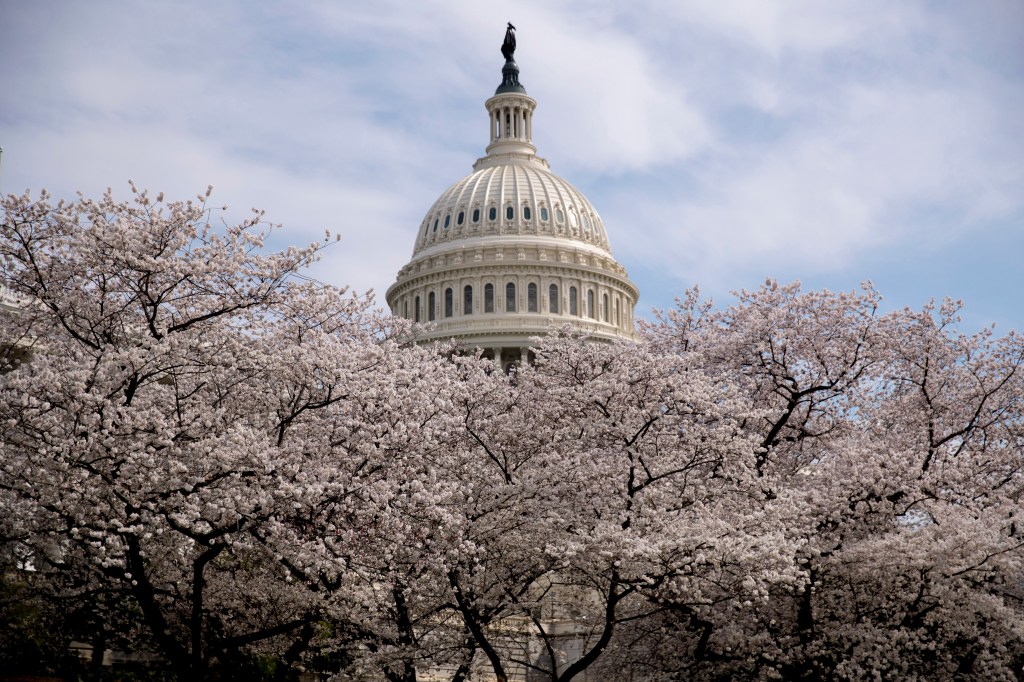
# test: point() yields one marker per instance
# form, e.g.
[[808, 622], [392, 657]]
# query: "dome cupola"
[[511, 249]]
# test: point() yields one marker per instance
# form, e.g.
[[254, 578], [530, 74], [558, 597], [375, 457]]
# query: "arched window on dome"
[[416, 312], [449, 302], [527, 213], [559, 216], [447, 221], [461, 219], [488, 298], [510, 213], [435, 224], [431, 307], [544, 213], [476, 215], [604, 307], [590, 303], [467, 300], [553, 299], [531, 297], [510, 297], [574, 305], [492, 213]]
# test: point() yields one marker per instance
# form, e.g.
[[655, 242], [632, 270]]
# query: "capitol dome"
[[511, 249]]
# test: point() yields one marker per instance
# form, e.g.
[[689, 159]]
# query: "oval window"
[[447, 220], [461, 219], [526, 213], [435, 224], [492, 214], [559, 216], [544, 213], [510, 213], [476, 215]]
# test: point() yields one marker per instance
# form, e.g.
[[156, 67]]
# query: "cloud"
[[828, 150], [716, 139]]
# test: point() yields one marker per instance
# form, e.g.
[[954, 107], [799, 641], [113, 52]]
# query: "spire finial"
[[510, 72]]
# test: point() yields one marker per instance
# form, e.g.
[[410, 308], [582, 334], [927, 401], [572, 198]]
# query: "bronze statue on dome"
[[508, 48]]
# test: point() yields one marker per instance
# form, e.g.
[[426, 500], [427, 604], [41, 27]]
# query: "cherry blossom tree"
[[892, 456], [586, 483], [159, 426], [208, 457]]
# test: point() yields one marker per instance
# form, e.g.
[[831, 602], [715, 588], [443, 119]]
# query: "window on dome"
[[509, 213], [476, 215], [416, 312], [574, 308], [559, 216], [531, 297], [431, 307], [492, 214], [435, 224], [604, 308], [461, 219], [586, 222], [488, 298], [544, 213], [527, 214], [447, 220], [510, 297], [553, 299], [448, 302], [590, 304], [467, 300]]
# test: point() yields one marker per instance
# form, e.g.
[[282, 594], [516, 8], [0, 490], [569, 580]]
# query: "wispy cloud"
[[720, 141]]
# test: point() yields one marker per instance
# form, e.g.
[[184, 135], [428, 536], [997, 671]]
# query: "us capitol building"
[[512, 249]]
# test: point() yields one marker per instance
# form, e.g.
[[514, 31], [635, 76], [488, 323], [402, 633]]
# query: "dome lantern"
[[510, 110]]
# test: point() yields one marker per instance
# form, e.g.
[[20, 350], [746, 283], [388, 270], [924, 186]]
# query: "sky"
[[722, 142]]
